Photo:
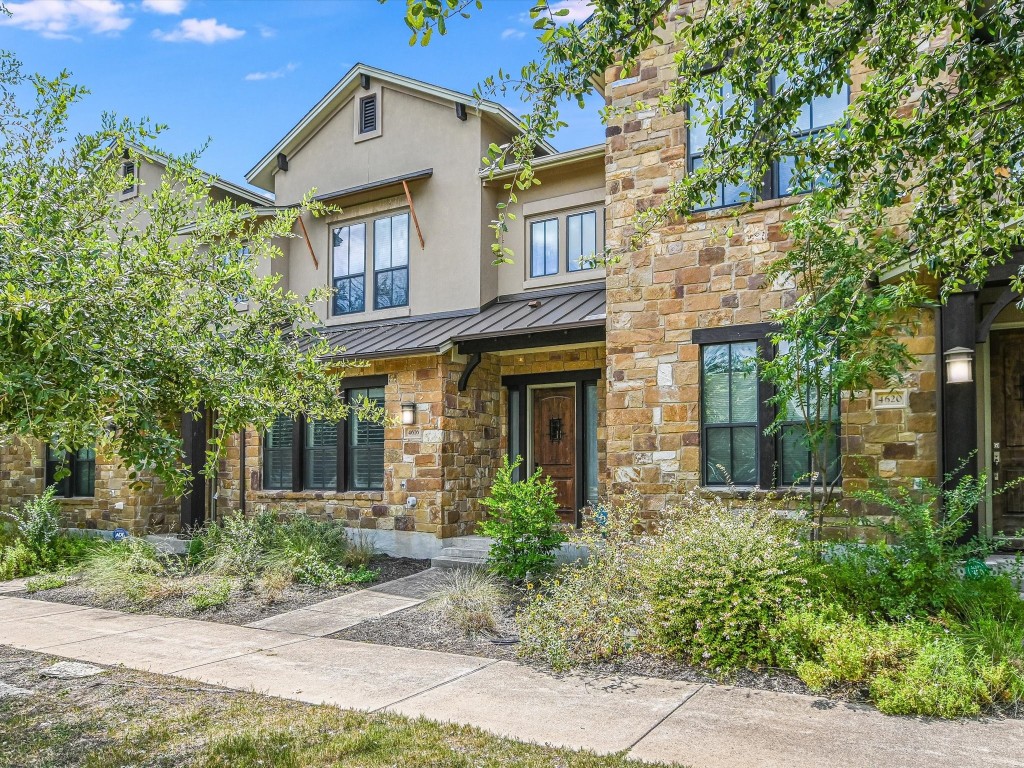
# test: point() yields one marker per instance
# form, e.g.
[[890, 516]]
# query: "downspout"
[[241, 471]]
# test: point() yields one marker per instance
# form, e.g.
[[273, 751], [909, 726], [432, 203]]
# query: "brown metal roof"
[[508, 317]]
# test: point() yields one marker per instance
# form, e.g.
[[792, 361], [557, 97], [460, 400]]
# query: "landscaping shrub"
[[237, 547], [469, 600], [597, 608], [208, 594], [523, 524], [31, 540], [916, 573], [726, 576], [47, 581]]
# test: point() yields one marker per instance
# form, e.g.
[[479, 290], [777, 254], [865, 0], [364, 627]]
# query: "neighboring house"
[[687, 309], [98, 493], [472, 360]]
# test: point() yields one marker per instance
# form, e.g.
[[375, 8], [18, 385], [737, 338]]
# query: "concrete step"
[[454, 561]]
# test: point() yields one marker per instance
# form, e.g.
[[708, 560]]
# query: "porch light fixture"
[[408, 413], [959, 365]]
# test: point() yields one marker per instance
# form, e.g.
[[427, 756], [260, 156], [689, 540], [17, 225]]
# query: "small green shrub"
[[210, 594], [726, 576], [469, 600], [938, 682], [523, 524], [17, 560], [236, 548], [47, 581]]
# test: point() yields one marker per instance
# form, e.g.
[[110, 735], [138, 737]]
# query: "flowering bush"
[[726, 577]]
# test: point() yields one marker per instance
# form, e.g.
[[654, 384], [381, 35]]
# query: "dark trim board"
[[193, 501], [426, 173], [727, 333], [581, 335], [556, 377], [358, 382]]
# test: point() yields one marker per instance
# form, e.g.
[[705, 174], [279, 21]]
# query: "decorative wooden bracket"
[[412, 210], [309, 244]]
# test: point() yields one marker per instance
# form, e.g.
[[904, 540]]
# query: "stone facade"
[[116, 503], [709, 272], [446, 461]]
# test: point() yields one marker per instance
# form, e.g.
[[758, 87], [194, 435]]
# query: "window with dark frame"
[[80, 467], [783, 178], [391, 261], [368, 114], [544, 248], [348, 257], [735, 413], [581, 240], [305, 454]]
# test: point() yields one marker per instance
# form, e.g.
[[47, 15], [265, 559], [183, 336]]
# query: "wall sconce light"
[[959, 365], [408, 413]]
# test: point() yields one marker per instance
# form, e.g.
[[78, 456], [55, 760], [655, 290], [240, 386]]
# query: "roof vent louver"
[[368, 114]]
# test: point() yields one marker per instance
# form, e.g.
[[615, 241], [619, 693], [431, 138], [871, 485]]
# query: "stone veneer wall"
[[696, 275], [446, 460], [115, 504]]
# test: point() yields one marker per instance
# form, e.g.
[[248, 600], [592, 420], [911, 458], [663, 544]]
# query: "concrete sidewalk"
[[704, 726]]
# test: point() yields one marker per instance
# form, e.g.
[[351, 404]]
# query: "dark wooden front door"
[[554, 443], [1007, 361]]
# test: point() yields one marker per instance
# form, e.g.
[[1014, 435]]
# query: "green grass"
[[126, 718]]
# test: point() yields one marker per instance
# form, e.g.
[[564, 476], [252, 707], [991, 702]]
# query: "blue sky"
[[242, 72]]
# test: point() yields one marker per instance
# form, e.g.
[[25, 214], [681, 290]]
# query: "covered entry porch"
[[983, 398]]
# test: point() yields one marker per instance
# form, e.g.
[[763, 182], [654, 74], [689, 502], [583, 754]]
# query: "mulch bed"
[[244, 606], [419, 628]]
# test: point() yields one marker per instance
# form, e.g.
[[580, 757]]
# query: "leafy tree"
[[115, 317], [938, 124]]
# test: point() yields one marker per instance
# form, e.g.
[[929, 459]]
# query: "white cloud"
[[512, 32], [199, 31], [266, 31], [59, 18], [273, 74], [578, 12], [169, 7]]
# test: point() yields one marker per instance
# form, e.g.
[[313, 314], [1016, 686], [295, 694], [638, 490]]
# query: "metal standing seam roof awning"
[[508, 323]]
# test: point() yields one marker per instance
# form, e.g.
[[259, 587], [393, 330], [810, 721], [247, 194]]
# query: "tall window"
[[80, 467], [725, 194], [308, 454], [391, 262], [349, 268], [278, 452], [729, 405], [581, 234], [544, 248], [365, 446], [821, 113], [783, 178], [735, 415]]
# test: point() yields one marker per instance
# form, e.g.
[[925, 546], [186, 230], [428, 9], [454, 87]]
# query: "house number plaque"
[[889, 398]]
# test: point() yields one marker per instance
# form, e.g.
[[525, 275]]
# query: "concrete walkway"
[[704, 726], [330, 616]]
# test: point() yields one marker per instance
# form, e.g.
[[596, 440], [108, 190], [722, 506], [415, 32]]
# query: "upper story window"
[[391, 262], [80, 471], [368, 113], [735, 415], [544, 248], [307, 454], [348, 258], [782, 179], [581, 240], [725, 194]]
